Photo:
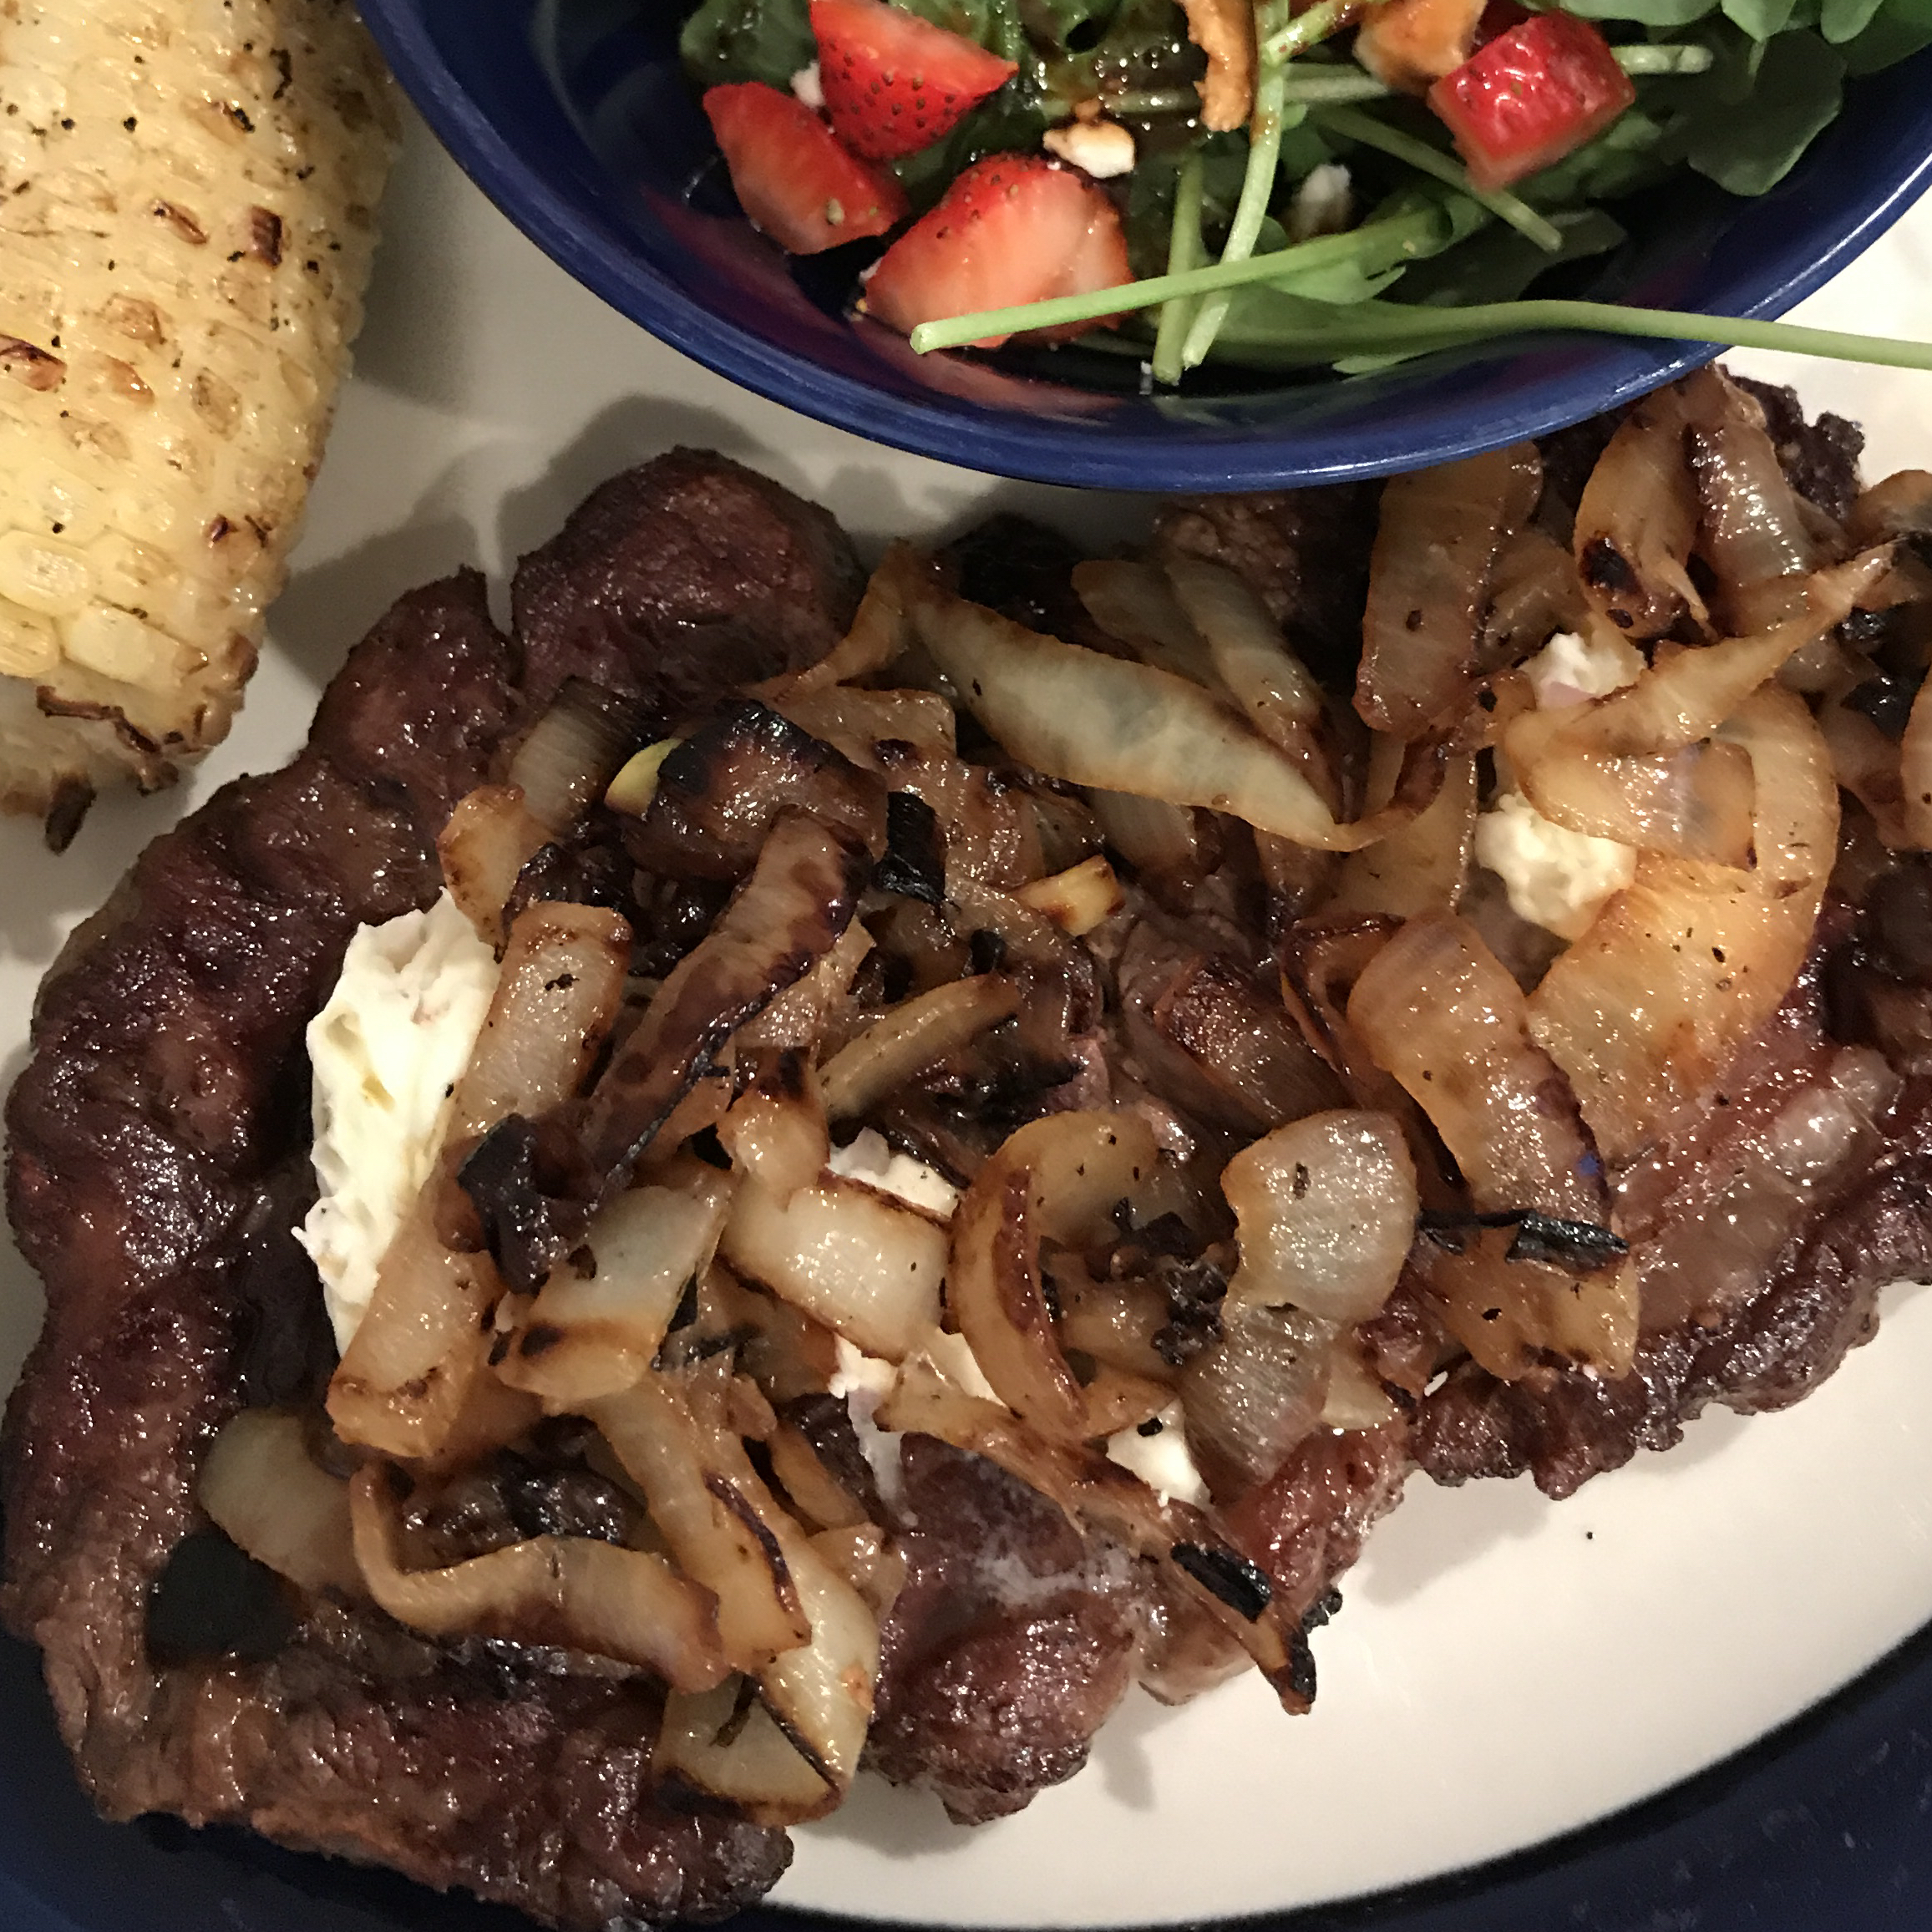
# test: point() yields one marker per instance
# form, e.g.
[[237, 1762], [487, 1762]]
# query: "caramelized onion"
[[864, 1264], [1695, 803], [902, 1043], [1257, 1394], [698, 1502], [1915, 771], [1055, 1178], [1250, 657], [491, 835], [1092, 720], [1326, 1210], [1420, 867], [263, 1490], [1752, 527], [1135, 604], [1637, 521], [568, 1592], [402, 1381], [602, 1317], [1428, 581], [858, 722], [1077, 900], [571, 754], [775, 1131], [879, 634]]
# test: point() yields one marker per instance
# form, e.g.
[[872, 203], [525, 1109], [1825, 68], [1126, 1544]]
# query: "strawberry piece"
[[1530, 97], [793, 178], [1012, 228], [894, 84]]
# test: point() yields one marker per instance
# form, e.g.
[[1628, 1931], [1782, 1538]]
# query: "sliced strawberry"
[[894, 84], [1533, 95], [793, 179], [1012, 228]]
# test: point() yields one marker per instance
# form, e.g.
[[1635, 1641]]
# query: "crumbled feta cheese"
[[1161, 1460], [386, 1053], [1102, 148], [1323, 204], [805, 85], [1569, 668], [1556, 878], [862, 1381], [872, 1159]]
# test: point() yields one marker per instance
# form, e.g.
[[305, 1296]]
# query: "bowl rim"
[[1047, 448]]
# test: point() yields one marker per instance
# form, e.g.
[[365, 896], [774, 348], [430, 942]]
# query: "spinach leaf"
[[767, 40], [1842, 20], [1499, 264], [1899, 29], [1646, 12], [1759, 19], [1627, 155], [1797, 94]]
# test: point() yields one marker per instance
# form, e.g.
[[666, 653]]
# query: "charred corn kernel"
[[187, 196]]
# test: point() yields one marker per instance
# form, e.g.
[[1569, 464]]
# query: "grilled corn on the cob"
[[187, 197]]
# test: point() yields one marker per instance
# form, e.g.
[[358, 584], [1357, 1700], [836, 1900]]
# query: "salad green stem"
[[1684, 59], [1306, 29], [1257, 186], [1356, 126], [1143, 104], [1334, 86], [1404, 237], [1185, 251]]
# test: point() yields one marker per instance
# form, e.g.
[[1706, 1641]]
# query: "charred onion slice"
[[1649, 1007], [786, 916], [1325, 1210], [1092, 720], [775, 1130], [1437, 1009], [490, 836], [714, 1532], [901, 1043], [402, 1381], [1695, 803], [602, 1316], [866, 1265], [1428, 586], [1637, 521], [567, 1592], [261, 1488], [1056, 1178]]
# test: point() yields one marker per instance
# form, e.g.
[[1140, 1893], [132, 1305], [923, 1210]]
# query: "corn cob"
[[187, 197]]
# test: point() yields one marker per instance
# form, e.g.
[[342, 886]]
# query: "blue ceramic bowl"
[[572, 116]]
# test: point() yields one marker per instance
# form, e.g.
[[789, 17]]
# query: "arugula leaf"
[[1499, 264], [1627, 155], [1646, 12], [1759, 19], [1799, 90], [767, 40]]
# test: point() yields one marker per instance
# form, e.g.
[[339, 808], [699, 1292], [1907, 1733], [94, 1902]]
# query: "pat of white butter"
[[386, 1052], [870, 1157], [1556, 878], [1161, 1460]]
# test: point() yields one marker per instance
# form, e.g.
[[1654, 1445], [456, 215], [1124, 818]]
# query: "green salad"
[[1346, 182]]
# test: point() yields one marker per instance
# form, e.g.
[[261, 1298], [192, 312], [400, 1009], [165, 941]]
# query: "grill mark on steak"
[[152, 1140]]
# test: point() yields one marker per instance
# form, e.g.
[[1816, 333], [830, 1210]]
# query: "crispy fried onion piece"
[[1056, 1178], [602, 1316], [566, 1592], [866, 1264], [1428, 586], [1076, 715], [1225, 31], [787, 915], [1437, 1009], [263, 1490], [402, 1382], [1101, 1498], [691, 1478], [1637, 521], [902, 1042], [813, 1697], [1325, 1210], [1648, 1008]]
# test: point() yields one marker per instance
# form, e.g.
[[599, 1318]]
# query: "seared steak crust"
[[157, 1144]]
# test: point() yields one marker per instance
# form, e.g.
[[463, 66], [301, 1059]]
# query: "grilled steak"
[[154, 1137]]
